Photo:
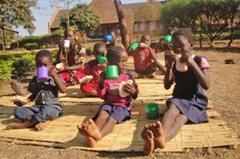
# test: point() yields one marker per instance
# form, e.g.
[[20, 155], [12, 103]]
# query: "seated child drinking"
[[189, 101], [94, 68], [143, 62], [45, 93], [70, 59], [115, 108]]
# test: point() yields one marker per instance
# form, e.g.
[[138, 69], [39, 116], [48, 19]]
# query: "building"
[[109, 19]]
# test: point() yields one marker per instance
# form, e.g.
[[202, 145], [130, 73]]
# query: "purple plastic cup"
[[42, 74]]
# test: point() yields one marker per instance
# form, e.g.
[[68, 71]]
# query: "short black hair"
[[184, 32], [96, 47], [114, 54], [69, 29], [144, 37], [43, 53]]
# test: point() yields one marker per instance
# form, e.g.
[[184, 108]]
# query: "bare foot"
[[43, 125], [149, 143], [81, 128], [91, 142], [16, 126], [158, 133], [92, 130]]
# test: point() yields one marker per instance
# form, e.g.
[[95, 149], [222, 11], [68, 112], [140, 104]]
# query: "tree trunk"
[[3, 39], [200, 37], [231, 33], [122, 24]]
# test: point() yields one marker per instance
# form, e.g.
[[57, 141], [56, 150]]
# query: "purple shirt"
[[110, 91]]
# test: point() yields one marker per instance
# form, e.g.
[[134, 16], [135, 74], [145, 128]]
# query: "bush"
[[5, 69], [42, 41], [31, 46], [23, 64], [89, 51]]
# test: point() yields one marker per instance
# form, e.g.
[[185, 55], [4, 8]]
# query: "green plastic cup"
[[168, 39], [134, 45], [102, 59], [152, 110], [111, 72]]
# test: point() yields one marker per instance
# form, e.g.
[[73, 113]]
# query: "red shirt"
[[142, 58]]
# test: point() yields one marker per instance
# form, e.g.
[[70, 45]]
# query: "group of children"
[[188, 102]]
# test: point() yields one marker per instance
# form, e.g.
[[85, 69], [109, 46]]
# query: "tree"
[[209, 17], [83, 17], [66, 4], [16, 13], [122, 24]]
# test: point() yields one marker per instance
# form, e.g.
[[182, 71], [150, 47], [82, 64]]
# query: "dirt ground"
[[224, 94]]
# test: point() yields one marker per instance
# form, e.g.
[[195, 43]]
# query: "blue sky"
[[43, 15]]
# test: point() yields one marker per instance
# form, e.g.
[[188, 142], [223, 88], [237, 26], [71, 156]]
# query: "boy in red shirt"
[[143, 58], [94, 68]]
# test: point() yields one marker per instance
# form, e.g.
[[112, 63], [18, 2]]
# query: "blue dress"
[[188, 95]]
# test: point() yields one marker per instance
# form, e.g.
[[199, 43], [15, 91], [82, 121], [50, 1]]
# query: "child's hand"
[[52, 71], [187, 58], [101, 80], [170, 58], [129, 89]]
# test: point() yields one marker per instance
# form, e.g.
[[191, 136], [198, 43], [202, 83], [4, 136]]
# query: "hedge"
[[42, 41], [15, 65]]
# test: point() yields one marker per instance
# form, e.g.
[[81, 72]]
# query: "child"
[[72, 59], [94, 68], [115, 109], [189, 102], [142, 57], [47, 105]]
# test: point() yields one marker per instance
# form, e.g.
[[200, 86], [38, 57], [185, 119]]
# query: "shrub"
[[31, 46], [23, 64], [5, 69], [89, 51]]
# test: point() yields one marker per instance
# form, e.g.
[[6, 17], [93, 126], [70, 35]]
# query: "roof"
[[106, 10], [136, 8], [56, 18]]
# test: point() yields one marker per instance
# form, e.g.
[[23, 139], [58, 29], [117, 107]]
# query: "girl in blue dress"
[[188, 102]]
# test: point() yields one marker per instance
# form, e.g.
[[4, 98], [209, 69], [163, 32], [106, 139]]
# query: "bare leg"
[[43, 125], [91, 129], [19, 88], [93, 93], [179, 122], [23, 125], [148, 137], [108, 126], [102, 119], [169, 118]]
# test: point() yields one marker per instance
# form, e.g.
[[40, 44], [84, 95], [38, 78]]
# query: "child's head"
[[146, 39], [99, 48], [182, 41], [43, 58], [117, 56], [69, 34]]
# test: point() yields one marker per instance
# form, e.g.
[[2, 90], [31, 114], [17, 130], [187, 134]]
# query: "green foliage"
[[89, 51], [31, 46], [42, 41], [16, 13], [84, 17], [5, 69], [23, 64], [210, 17]]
